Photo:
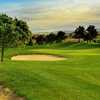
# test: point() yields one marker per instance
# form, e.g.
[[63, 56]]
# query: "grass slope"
[[77, 78]]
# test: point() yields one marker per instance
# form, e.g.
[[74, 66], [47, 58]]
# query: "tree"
[[40, 39], [79, 33], [60, 36], [22, 30], [6, 28], [7, 36], [30, 42], [11, 31], [50, 38], [91, 32]]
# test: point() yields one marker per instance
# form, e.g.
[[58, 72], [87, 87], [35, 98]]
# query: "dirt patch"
[[7, 94], [37, 57]]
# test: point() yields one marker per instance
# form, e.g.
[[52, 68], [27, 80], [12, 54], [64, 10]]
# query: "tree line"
[[47, 39], [80, 33]]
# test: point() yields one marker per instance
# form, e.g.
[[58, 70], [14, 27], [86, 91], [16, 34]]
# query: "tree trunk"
[[2, 53], [79, 40], [87, 41], [2, 48]]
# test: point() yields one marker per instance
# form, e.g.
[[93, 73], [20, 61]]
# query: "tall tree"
[[91, 32], [11, 30], [22, 30], [50, 38], [20, 27], [60, 36], [40, 39], [7, 37], [79, 32]]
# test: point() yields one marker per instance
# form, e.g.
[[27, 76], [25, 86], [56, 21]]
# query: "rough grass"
[[77, 78]]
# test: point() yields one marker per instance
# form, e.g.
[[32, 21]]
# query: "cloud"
[[55, 14], [56, 18]]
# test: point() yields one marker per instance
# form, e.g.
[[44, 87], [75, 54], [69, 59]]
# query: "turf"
[[77, 78]]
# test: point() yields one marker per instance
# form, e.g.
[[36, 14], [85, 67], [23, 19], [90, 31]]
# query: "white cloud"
[[51, 15]]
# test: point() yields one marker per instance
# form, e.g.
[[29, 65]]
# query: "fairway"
[[76, 78]]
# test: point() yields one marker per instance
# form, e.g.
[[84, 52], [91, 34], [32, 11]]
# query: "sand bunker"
[[37, 57], [7, 94]]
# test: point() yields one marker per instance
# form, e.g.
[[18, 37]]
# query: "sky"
[[53, 15]]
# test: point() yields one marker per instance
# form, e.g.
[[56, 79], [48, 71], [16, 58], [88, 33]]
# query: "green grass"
[[77, 78]]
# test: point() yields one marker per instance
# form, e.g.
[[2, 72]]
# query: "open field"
[[76, 78]]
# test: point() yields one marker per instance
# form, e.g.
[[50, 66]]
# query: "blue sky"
[[53, 15]]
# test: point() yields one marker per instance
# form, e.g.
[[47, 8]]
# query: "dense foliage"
[[13, 31], [79, 34], [49, 38], [88, 34]]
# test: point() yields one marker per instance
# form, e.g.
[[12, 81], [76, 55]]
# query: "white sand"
[[37, 57]]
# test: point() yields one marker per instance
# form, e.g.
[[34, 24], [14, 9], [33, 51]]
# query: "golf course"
[[49, 49], [76, 77]]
